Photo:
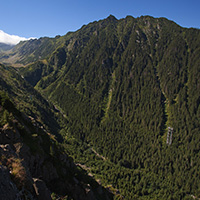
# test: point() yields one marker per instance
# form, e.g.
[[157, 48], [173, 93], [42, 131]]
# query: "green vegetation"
[[44, 147], [29, 101], [118, 85]]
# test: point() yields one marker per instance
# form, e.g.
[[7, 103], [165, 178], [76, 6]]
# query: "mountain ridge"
[[16, 56]]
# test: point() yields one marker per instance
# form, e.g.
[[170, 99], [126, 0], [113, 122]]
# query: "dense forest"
[[118, 85]]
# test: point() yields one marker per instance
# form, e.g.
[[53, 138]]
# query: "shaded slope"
[[29, 101]]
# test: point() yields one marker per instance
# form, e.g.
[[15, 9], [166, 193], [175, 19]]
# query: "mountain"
[[120, 84], [5, 47], [32, 50]]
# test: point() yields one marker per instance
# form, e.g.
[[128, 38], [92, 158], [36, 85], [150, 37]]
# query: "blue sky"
[[38, 18]]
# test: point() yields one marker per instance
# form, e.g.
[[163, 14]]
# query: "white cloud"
[[11, 39]]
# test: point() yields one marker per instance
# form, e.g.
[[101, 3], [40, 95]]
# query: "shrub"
[[18, 171]]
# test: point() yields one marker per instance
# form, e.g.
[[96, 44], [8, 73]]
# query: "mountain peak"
[[111, 18]]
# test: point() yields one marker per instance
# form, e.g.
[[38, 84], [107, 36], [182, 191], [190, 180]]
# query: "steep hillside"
[[29, 101], [120, 85], [33, 164]]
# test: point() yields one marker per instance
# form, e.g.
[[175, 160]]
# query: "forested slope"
[[121, 84]]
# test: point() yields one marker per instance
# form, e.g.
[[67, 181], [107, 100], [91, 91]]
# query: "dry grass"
[[18, 171]]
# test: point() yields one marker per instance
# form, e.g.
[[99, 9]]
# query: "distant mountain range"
[[5, 47], [113, 94], [8, 41]]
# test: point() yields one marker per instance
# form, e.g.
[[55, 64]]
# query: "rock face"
[[8, 190]]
